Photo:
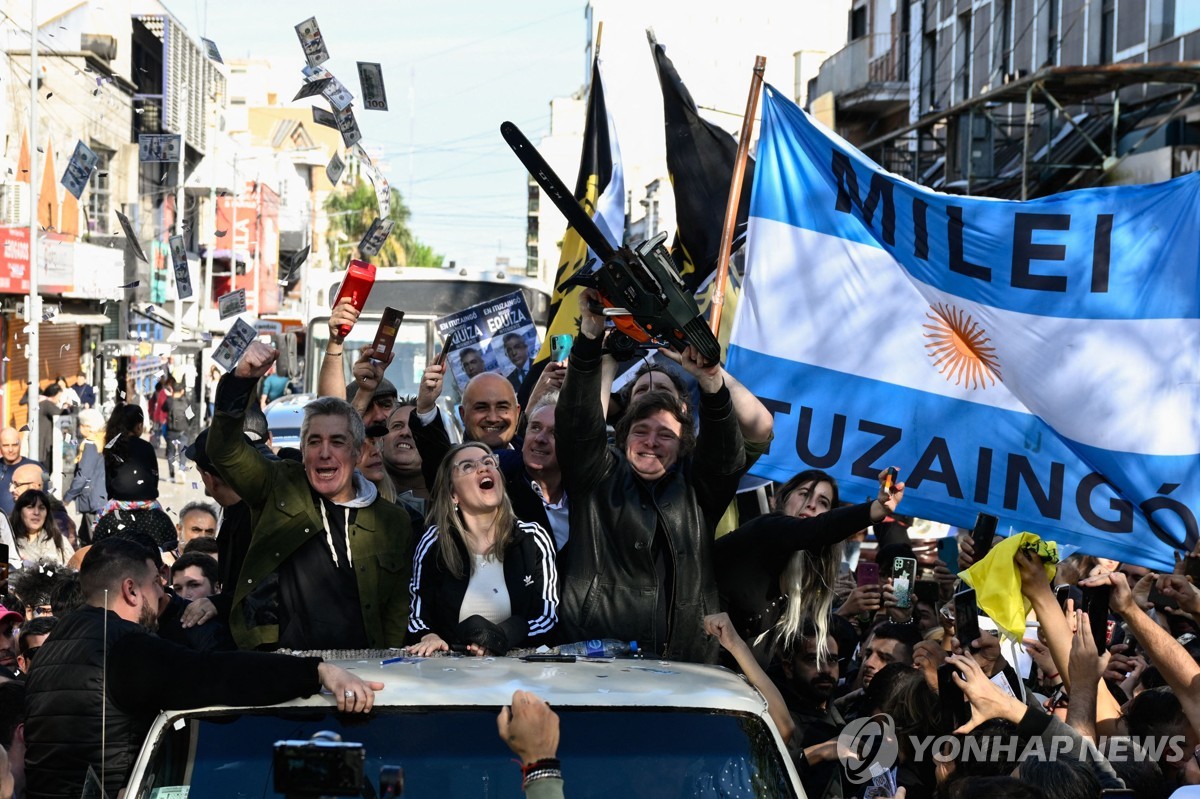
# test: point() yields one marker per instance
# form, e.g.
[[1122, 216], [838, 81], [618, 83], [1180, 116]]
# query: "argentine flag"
[[1036, 360]]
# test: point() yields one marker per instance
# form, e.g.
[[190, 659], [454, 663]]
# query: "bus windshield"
[[408, 356], [424, 295]]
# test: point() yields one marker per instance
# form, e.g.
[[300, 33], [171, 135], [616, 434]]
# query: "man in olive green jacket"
[[329, 561]]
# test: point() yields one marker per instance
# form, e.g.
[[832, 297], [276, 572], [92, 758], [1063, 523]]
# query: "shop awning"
[[80, 319]]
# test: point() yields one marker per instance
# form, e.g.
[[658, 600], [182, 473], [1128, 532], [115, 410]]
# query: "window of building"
[[531, 260], [928, 71], [1003, 44], [1108, 13], [1187, 17], [963, 72], [1051, 32], [858, 23], [99, 202]]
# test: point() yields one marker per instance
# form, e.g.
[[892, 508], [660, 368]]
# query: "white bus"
[[424, 294]]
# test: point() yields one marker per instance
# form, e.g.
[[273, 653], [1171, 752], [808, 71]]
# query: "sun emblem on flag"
[[959, 348]]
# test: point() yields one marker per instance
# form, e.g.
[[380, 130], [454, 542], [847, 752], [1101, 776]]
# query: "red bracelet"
[[539, 765]]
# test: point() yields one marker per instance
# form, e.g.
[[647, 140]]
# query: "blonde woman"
[[777, 571], [87, 487], [483, 581]]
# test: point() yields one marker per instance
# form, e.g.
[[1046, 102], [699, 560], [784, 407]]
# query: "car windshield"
[[456, 752]]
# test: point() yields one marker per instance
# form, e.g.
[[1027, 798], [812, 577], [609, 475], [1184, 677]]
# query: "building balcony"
[[867, 76]]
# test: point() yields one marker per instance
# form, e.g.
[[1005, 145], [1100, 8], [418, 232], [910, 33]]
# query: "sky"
[[453, 72]]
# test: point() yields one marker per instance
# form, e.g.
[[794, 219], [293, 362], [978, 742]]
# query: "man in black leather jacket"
[[643, 513]]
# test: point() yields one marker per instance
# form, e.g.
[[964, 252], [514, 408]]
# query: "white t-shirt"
[[487, 593]]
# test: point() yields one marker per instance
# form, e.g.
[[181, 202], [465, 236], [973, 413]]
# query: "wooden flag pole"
[[735, 194]]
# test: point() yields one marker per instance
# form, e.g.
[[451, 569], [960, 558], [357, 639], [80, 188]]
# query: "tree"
[[351, 211]]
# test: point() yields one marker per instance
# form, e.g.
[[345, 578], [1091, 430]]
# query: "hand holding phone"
[[1095, 604], [966, 618], [385, 335], [1062, 594], [560, 347], [867, 573], [983, 534], [955, 710], [904, 572]]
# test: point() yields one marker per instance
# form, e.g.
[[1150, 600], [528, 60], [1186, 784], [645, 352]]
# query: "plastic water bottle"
[[600, 648]]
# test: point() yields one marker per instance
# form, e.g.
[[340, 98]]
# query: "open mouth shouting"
[[326, 474]]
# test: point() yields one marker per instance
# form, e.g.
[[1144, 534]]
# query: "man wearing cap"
[[328, 563], [373, 406]]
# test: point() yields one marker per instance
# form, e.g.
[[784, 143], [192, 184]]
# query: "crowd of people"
[[569, 512]]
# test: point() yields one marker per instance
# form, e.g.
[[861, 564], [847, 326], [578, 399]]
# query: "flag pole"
[[735, 194]]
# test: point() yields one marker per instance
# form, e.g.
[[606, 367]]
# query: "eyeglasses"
[[469, 467], [30, 483], [29, 653]]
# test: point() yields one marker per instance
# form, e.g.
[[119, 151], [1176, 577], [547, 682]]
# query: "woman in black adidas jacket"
[[482, 579]]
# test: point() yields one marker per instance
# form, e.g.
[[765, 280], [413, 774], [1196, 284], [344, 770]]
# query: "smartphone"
[[385, 335], [560, 347], [360, 277], [889, 479], [1095, 604], [867, 573], [1161, 600], [966, 618], [983, 533], [947, 551], [1191, 569], [1062, 594], [904, 574], [955, 709], [927, 591], [440, 358]]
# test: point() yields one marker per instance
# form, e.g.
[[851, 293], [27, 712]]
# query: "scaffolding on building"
[[1059, 128]]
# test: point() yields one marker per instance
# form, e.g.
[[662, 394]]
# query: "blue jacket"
[[88, 487]]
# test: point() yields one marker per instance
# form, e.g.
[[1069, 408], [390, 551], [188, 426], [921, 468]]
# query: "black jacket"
[[529, 573], [751, 559], [145, 676], [611, 585]]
